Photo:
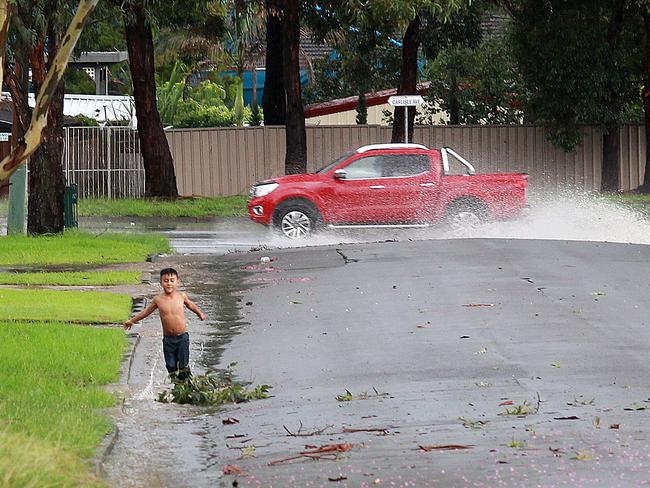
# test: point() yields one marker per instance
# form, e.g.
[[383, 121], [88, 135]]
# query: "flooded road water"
[[313, 324]]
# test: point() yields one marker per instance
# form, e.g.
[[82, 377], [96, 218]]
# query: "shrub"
[[206, 117]]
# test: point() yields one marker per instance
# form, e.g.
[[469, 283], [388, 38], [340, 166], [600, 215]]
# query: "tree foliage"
[[475, 86], [581, 61]]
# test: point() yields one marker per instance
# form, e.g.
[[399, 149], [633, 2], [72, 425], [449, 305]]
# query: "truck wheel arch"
[[468, 204], [302, 207]]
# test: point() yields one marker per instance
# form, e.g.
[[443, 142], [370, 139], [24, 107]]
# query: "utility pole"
[[17, 199], [16, 222]]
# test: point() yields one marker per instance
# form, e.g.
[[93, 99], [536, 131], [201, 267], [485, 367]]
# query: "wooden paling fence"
[[226, 161]]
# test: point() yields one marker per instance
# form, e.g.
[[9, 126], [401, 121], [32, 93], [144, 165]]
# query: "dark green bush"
[[206, 117]]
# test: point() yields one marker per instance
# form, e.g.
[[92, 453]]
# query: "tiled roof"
[[310, 50]]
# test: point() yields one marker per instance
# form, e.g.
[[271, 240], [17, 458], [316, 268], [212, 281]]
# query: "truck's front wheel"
[[296, 220]]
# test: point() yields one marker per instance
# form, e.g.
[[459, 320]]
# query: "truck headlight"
[[261, 190]]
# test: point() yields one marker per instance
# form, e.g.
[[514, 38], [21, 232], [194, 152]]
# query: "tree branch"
[[25, 147]]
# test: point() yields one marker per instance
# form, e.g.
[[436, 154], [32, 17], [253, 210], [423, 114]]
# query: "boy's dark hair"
[[168, 271]]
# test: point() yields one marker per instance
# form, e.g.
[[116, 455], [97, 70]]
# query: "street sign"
[[405, 100]]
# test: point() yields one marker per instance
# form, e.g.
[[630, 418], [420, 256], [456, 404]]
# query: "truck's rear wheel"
[[296, 220], [466, 214]]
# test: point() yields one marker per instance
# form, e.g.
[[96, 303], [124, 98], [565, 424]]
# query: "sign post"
[[406, 101]]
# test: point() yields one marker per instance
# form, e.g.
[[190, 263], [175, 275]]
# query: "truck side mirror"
[[340, 174]]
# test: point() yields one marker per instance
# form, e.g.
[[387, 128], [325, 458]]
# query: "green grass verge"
[[29, 462], [234, 206], [72, 278], [51, 396], [68, 306], [635, 201], [75, 247]]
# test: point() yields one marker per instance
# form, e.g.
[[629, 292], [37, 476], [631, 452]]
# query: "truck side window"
[[364, 168], [406, 165]]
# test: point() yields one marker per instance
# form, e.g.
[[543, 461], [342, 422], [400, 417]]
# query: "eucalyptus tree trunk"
[[611, 157], [46, 182], [408, 79], [160, 178], [645, 187], [296, 136], [274, 100]]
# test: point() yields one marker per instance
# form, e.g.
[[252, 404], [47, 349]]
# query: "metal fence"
[[104, 162]]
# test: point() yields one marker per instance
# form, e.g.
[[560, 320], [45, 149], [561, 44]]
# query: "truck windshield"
[[338, 160]]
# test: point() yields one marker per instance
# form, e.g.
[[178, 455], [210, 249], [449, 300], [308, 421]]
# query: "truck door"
[[411, 186], [359, 197]]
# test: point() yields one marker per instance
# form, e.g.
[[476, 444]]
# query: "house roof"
[[350, 103], [93, 58], [99, 107]]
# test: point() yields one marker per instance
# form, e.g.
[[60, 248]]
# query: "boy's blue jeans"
[[176, 350]]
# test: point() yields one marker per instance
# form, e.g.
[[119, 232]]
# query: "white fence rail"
[[104, 162]]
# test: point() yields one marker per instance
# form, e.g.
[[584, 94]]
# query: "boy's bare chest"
[[170, 305]]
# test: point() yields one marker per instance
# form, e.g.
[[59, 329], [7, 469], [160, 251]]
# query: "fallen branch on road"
[[306, 434], [329, 452], [349, 430]]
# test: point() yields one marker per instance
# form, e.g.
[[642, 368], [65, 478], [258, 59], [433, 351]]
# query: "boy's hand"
[[202, 316], [127, 325]]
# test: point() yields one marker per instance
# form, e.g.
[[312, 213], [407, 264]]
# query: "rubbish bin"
[[70, 206]]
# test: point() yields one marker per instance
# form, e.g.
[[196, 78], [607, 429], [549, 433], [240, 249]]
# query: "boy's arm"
[[138, 317], [192, 306]]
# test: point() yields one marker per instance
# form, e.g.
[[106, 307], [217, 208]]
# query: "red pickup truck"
[[405, 185]]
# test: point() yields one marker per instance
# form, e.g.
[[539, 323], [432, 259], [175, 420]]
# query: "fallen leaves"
[[473, 424], [345, 397], [444, 447], [329, 451], [634, 407], [520, 410], [230, 421], [348, 396], [231, 469], [300, 433]]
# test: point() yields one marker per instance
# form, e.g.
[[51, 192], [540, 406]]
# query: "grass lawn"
[[75, 247], [234, 206], [636, 201], [68, 306], [52, 393], [72, 278]]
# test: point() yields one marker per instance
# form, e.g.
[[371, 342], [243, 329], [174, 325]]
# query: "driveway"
[[529, 357]]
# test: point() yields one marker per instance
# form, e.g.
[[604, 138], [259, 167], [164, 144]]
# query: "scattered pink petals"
[[231, 469]]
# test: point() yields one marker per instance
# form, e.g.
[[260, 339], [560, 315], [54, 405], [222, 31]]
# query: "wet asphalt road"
[[433, 339]]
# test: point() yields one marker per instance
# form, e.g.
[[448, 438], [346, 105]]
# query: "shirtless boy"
[[176, 339]]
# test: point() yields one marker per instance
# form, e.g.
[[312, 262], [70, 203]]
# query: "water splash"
[[563, 216], [575, 217]]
